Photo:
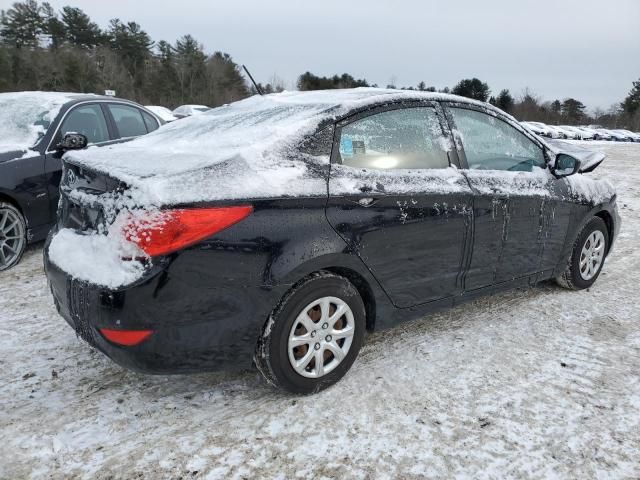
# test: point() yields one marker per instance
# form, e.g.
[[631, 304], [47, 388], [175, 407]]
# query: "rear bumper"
[[196, 328]]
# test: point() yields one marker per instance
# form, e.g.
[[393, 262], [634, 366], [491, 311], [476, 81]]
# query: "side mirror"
[[565, 165], [73, 141]]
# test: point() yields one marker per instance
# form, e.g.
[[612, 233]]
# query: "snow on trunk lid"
[[89, 244]]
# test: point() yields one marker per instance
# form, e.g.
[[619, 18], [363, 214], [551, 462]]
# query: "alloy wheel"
[[592, 255], [320, 337], [12, 237]]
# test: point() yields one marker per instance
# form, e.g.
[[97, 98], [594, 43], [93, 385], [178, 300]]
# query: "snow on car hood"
[[242, 150], [589, 159], [25, 117]]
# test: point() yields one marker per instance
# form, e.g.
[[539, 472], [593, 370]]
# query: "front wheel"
[[13, 235], [589, 252], [314, 335]]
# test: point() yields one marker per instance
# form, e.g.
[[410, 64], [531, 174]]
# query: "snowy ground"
[[534, 383]]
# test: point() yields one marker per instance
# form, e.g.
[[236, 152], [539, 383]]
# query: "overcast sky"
[[558, 48]]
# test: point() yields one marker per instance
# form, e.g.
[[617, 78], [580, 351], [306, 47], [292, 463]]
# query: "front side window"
[[87, 120], [406, 138], [491, 144], [128, 120]]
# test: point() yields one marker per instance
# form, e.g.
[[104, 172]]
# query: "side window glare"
[[492, 144], [407, 138]]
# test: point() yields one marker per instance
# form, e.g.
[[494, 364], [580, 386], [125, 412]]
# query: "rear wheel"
[[589, 253], [313, 337], [13, 235]]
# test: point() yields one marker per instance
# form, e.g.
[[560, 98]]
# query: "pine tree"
[[631, 104], [53, 26], [190, 67], [22, 25], [504, 101], [472, 88], [573, 111], [79, 30]]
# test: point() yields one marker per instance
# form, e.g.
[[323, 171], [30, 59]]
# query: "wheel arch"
[[363, 288], [9, 199], [351, 267], [608, 221]]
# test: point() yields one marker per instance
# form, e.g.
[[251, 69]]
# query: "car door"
[[515, 197], [130, 121], [397, 202], [85, 118]]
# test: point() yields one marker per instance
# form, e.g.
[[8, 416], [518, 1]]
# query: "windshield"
[[24, 118], [201, 109]]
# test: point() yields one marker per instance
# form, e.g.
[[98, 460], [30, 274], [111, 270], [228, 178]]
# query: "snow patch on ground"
[[535, 383]]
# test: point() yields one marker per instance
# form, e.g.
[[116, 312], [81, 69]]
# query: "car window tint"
[[404, 138], [128, 120], [491, 144], [150, 122], [87, 120]]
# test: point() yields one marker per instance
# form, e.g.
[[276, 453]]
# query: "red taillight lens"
[[127, 338], [173, 230]]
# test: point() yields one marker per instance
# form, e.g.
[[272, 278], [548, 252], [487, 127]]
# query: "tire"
[[577, 275], [13, 235], [274, 356]]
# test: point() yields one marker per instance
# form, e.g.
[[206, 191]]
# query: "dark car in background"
[[281, 228], [33, 126]]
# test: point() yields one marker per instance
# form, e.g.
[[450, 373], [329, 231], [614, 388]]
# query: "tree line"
[[526, 107], [45, 49], [41, 49]]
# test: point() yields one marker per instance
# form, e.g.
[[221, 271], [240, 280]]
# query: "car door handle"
[[367, 202]]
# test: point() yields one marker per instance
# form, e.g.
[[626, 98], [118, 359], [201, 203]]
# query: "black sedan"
[[33, 126], [279, 229]]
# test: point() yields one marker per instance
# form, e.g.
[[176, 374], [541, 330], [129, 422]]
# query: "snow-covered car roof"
[[248, 128], [238, 150], [25, 116]]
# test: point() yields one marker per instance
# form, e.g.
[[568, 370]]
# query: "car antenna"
[[258, 89]]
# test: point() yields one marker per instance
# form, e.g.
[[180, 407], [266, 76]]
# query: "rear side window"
[[407, 138], [491, 144], [128, 120], [150, 122], [87, 120]]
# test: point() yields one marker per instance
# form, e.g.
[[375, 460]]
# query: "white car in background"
[[618, 137], [599, 135], [633, 137], [556, 132], [587, 133], [578, 134], [189, 110], [538, 128], [568, 132], [163, 112]]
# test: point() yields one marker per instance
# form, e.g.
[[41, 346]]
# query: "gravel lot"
[[534, 383]]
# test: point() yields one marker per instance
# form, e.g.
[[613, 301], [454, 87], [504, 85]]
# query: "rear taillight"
[[172, 230], [128, 338]]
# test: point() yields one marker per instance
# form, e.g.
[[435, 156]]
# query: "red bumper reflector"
[[127, 338]]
